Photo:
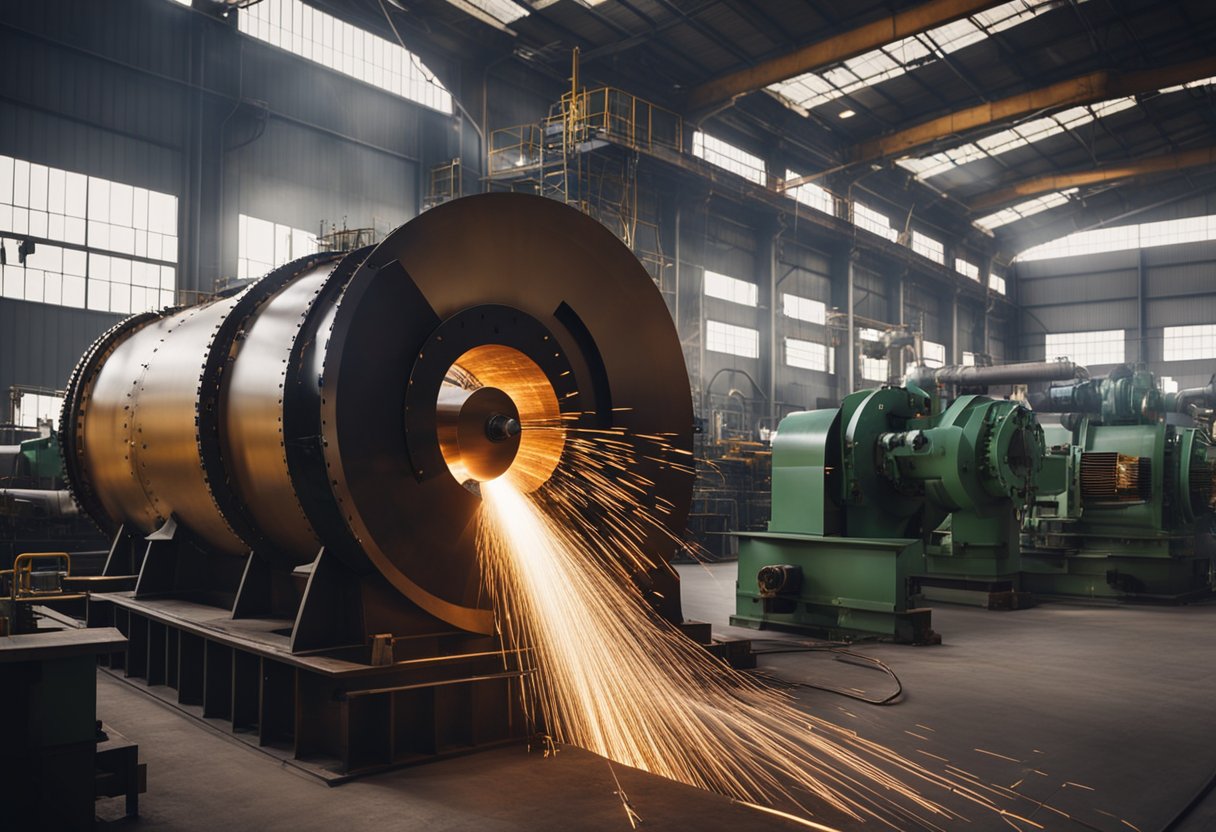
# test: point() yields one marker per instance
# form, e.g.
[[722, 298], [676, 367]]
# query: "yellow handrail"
[[21, 575]]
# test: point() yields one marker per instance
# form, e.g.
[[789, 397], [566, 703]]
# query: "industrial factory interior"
[[561, 415]]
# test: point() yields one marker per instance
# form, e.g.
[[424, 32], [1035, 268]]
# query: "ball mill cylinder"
[[349, 400]]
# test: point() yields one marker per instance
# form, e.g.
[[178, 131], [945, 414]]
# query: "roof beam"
[[1083, 89], [1028, 188], [841, 47]]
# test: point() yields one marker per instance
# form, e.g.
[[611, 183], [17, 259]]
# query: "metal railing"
[[514, 150], [445, 183], [615, 114]]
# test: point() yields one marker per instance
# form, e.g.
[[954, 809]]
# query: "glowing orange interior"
[[542, 437]]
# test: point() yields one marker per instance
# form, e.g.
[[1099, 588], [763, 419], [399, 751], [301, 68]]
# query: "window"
[[803, 309], [810, 194], [337, 45], [1013, 138], [263, 245], [813, 89], [806, 354], [1087, 348], [968, 269], [730, 288], [98, 244], [1028, 208], [872, 369], [1126, 238], [120, 285], [871, 220], [731, 339], [1169, 384], [933, 354], [31, 408], [926, 246], [1189, 343], [728, 157], [968, 359], [996, 283]]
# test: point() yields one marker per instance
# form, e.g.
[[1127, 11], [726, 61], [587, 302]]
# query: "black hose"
[[838, 651]]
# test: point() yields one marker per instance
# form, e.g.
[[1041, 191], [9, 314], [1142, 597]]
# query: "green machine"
[[862, 499], [1125, 498], [35, 463]]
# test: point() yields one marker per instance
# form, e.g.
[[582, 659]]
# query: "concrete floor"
[[1105, 713]]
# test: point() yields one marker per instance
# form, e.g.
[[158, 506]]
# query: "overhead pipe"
[[970, 376]]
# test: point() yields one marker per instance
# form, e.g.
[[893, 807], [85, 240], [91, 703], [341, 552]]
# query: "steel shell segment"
[[252, 413], [77, 398], [528, 253], [146, 395]]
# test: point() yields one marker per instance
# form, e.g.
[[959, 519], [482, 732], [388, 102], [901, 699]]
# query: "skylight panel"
[[504, 11], [1012, 138], [956, 35], [1024, 209], [1202, 82], [812, 89]]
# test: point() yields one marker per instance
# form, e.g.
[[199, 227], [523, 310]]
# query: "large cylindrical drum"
[[353, 400]]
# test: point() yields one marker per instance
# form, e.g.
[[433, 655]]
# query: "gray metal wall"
[[153, 94], [1140, 292]]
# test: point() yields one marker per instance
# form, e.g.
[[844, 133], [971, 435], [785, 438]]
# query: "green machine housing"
[[864, 495], [1124, 500]]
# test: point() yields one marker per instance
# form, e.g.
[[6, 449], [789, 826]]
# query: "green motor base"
[[1117, 577], [837, 588]]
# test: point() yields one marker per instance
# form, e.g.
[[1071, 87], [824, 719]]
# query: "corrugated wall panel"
[[40, 344], [1198, 253], [1182, 311], [1077, 288], [1190, 279], [1106, 262], [870, 295], [307, 91], [1095, 314], [300, 177]]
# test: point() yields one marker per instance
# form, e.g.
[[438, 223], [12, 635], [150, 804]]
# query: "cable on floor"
[[840, 652]]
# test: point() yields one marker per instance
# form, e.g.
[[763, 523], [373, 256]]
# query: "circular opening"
[[1018, 455], [498, 416]]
